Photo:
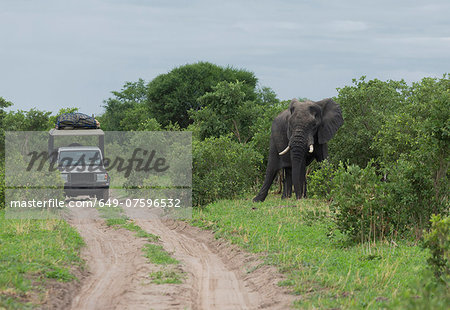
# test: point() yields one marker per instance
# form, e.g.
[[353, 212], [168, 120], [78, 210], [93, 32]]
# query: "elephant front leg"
[[273, 166], [287, 183], [270, 176]]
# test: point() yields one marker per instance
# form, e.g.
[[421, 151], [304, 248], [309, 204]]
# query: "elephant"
[[299, 135]]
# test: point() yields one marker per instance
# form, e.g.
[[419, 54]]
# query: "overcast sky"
[[61, 53]]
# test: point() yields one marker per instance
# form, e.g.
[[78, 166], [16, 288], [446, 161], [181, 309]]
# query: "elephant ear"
[[331, 120]]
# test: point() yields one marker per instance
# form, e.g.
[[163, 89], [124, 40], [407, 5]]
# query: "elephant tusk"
[[285, 150], [311, 148]]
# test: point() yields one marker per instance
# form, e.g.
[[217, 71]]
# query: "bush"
[[404, 131], [437, 240], [366, 106], [418, 135], [320, 180], [373, 203], [359, 203], [410, 196], [222, 168]]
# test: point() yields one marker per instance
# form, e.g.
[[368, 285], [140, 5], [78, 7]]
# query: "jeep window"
[[79, 158]]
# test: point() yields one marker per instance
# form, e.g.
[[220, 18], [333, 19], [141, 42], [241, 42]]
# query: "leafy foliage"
[[419, 133], [222, 168], [2, 184], [358, 203], [320, 180], [170, 96], [261, 128], [403, 132], [438, 241], [3, 104], [127, 110], [365, 106], [225, 111], [32, 120]]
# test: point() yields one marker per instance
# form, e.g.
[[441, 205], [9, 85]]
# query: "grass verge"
[[300, 238], [33, 253]]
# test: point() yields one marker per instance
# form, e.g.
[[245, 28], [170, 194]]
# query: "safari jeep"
[[82, 167], [83, 172]]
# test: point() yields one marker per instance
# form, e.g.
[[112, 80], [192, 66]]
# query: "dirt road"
[[218, 276]]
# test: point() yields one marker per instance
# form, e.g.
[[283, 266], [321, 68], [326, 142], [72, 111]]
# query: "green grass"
[[115, 217], [140, 232], [31, 253], [166, 277], [300, 238], [157, 255]]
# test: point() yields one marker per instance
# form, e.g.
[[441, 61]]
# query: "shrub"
[[437, 240], [416, 137], [222, 168], [358, 203], [365, 108], [373, 203], [405, 132], [410, 196], [320, 180]]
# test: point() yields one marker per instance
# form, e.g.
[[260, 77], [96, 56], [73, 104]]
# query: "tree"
[[225, 111], [127, 109], [3, 104], [32, 120], [170, 96], [401, 135], [416, 138], [365, 107]]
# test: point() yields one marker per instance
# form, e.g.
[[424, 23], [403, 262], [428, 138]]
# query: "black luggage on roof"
[[76, 121]]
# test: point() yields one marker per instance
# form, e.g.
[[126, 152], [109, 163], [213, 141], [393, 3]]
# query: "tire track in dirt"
[[118, 272], [213, 285], [219, 275]]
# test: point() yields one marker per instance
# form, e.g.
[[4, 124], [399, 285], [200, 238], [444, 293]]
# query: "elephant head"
[[300, 135]]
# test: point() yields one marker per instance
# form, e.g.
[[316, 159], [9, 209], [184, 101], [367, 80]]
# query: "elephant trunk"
[[301, 143], [298, 169]]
